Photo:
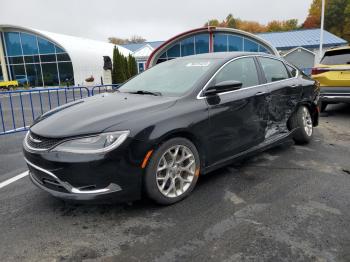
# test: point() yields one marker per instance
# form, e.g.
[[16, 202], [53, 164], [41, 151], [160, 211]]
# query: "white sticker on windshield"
[[198, 64]]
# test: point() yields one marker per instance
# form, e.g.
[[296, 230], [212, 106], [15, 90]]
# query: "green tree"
[[336, 20], [118, 68], [212, 22], [291, 24], [231, 21], [132, 66]]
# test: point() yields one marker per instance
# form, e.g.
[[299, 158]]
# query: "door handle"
[[260, 93], [293, 86]]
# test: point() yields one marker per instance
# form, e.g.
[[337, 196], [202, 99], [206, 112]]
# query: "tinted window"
[[250, 46], [48, 58], [336, 57], [50, 74], [63, 57], [235, 43], [34, 74], [16, 59], [31, 59], [263, 49], [13, 44], [202, 43], [174, 51], [274, 70], [220, 43], [18, 72], [45, 46], [59, 50], [29, 44], [243, 70], [66, 73], [187, 46]]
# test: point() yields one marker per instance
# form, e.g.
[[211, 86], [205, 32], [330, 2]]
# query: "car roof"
[[338, 48], [224, 55]]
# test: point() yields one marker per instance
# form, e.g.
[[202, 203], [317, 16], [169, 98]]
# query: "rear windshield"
[[336, 57]]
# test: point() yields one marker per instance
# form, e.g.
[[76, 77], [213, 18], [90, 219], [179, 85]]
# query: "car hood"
[[97, 113]]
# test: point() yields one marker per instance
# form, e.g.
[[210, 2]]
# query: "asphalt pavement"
[[290, 203]]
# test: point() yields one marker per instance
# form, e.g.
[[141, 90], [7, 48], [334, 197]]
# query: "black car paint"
[[222, 127]]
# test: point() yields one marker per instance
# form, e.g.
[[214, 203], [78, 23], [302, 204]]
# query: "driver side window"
[[242, 70]]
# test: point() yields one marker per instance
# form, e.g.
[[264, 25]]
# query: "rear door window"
[[336, 57], [274, 70]]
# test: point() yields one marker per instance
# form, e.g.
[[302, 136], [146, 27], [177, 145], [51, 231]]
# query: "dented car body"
[[234, 104]]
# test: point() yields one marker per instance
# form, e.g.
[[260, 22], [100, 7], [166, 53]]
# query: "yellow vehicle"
[[8, 84], [333, 74]]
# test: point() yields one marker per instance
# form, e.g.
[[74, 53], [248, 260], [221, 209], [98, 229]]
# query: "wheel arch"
[[191, 137]]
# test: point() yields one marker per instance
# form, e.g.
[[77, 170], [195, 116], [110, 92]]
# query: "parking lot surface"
[[290, 203]]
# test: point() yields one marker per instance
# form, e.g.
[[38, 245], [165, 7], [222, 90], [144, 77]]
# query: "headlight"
[[101, 143]]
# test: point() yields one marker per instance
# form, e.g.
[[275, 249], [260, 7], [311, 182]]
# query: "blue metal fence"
[[19, 108]]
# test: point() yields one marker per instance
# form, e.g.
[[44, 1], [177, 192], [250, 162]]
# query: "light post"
[[322, 27]]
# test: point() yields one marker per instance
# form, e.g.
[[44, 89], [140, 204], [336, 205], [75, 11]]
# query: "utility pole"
[[322, 28]]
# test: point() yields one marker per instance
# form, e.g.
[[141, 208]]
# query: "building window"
[[174, 51], [29, 44], [141, 66], [13, 44], [250, 46], [50, 74], [220, 43], [35, 61], [202, 43], [187, 46], [34, 75], [45, 46], [235, 43]]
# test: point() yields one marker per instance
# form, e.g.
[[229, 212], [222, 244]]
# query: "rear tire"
[[302, 121], [172, 171]]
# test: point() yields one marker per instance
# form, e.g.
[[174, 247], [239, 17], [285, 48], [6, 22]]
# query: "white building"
[[39, 58]]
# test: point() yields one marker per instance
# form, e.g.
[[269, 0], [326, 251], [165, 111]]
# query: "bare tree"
[[121, 41]]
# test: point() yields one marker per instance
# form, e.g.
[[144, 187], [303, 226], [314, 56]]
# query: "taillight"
[[318, 70]]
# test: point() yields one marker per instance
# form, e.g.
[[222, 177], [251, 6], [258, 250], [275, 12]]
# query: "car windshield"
[[171, 78], [336, 57]]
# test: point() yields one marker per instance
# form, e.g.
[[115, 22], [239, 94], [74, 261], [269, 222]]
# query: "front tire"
[[172, 172], [302, 121]]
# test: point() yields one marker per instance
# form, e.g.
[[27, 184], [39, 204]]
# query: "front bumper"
[[112, 177], [335, 94]]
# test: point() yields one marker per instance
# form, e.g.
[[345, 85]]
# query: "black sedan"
[[166, 127]]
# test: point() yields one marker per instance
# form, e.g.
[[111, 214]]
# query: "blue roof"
[[134, 47], [309, 38]]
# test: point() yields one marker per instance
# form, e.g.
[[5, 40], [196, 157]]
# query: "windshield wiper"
[[145, 92]]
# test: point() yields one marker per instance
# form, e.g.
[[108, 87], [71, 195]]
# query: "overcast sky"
[[152, 19]]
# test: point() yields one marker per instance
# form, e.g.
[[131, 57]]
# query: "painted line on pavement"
[[13, 179]]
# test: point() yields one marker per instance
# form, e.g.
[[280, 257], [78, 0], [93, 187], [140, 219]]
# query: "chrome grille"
[[34, 141]]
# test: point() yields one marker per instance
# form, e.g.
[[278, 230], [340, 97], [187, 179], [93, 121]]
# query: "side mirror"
[[223, 86]]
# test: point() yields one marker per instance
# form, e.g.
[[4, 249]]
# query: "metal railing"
[[19, 108], [104, 88]]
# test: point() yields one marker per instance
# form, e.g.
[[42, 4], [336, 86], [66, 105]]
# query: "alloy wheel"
[[175, 171], [307, 121]]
